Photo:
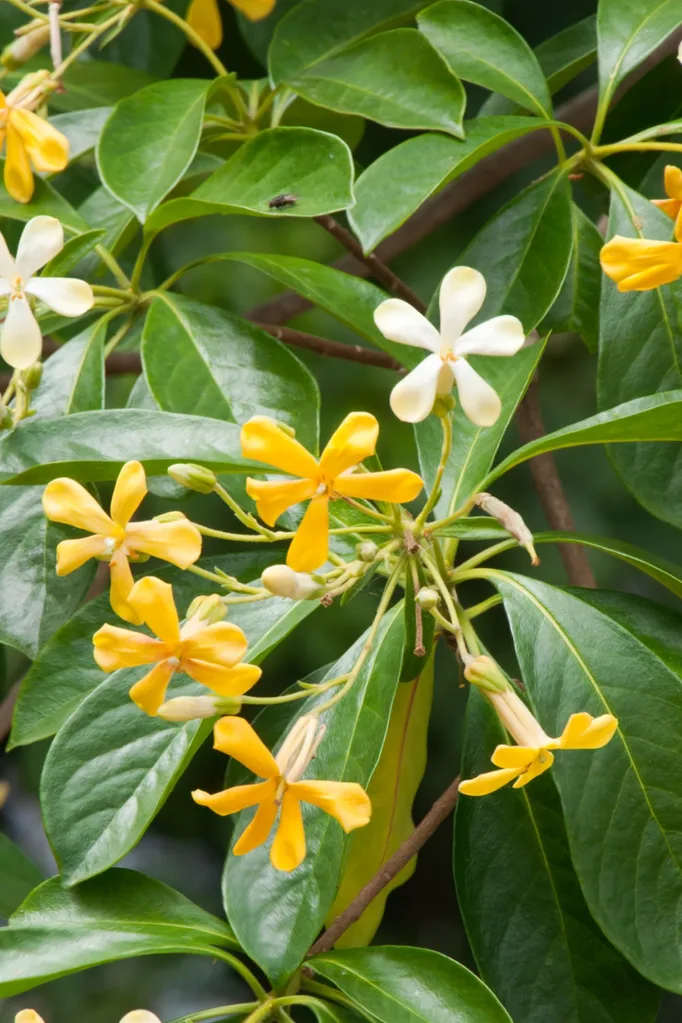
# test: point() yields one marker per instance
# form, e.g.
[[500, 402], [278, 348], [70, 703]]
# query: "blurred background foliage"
[[185, 847]]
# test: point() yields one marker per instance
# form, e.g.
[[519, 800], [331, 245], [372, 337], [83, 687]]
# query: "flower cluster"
[[31, 143]]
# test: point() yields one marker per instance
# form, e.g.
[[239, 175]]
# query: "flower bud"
[[170, 516], [511, 520], [194, 477], [207, 609], [189, 708], [427, 599], [282, 581], [367, 550], [140, 1016], [25, 45], [32, 376], [482, 671]]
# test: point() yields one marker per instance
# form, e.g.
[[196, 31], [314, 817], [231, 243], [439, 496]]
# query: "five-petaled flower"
[[21, 341], [115, 536], [281, 792], [207, 650], [320, 481], [30, 140], [204, 17], [462, 293]]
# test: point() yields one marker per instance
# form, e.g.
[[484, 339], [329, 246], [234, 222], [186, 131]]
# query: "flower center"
[[446, 353], [17, 285], [174, 662], [321, 490], [110, 544]]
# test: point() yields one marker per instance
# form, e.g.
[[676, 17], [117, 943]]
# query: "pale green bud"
[[25, 45], [427, 598], [32, 376], [194, 477], [208, 609], [282, 581], [189, 708], [482, 671], [367, 550]]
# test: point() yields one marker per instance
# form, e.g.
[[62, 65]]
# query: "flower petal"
[[153, 600], [254, 9], [400, 322], [395, 485], [41, 240], [121, 584], [122, 648], [222, 681], [353, 441], [178, 542], [310, 547], [288, 848], [18, 174], [204, 17], [129, 492], [273, 498], [21, 342], [238, 798], [672, 180], [541, 764], [64, 295], [221, 643], [140, 1016], [514, 756], [503, 335], [235, 737], [260, 827], [671, 207], [71, 554], [47, 148], [413, 397], [490, 781], [480, 402], [263, 440], [28, 1016], [66, 501], [462, 293], [638, 264], [150, 692], [582, 731], [7, 266], [347, 802]]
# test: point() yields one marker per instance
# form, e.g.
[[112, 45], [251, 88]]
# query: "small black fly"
[[279, 202]]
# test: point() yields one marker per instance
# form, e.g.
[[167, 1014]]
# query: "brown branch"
[[334, 349], [410, 847], [7, 710]]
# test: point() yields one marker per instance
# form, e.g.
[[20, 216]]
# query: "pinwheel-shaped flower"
[[115, 536], [204, 17], [319, 481], [281, 792], [206, 649], [29, 140], [462, 293], [672, 206], [21, 341]]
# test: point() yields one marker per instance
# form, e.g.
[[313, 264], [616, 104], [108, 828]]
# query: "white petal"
[[65, 295], [399, 321], [412, 399], [5, 286], [21, 342], [7, 267], [41, 240], [503, 335], [462, 293], [478, 399]]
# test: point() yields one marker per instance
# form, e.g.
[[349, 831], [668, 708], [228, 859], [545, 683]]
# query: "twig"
[[335, 349], [410, 847], [7, 709]]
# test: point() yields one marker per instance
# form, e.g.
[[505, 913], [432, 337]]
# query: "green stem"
[[31, 11], [113, 265], [637, 147], [219, 1010], [332, 994], [83, 46], [365, 510], [205, 574], [485, 605], [219, 534], [118, 335], [262, 1012], [243, 971], [246, 519], [489, 552], [141, 256], [446, 426], [194, 37]]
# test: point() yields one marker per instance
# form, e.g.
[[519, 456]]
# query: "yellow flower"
[[208, 651], [321, 481], [532, 756], [281, 792], [115, 535], [637, 264], [204, 17], [673, 204], [30, 141]]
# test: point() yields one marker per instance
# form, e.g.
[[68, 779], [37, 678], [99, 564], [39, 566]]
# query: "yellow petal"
[[178, 542], [514, 756], [273, 498], [678, 224], [260, 827], [129, 492], [121, 648], [223, 681], [221, 643], [254, 9], [47, 148], [235, 737], [353, 441], [150, 692], [310, 547], [71, 554], [121, 583], [582, 731], [18, 174], [288, 848], [542, 763], [346, 801], [672, 180], [671, 207], [28, 1016], [204, 17], [66, 501], [153, 601], [395, 485], [637, 264], [484, 784], [264, 441], [235, 799]]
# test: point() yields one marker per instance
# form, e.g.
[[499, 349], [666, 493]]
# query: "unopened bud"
[[282, 581], [32, 376], [482, 671], [170, 516], [6, 417], [367, 550], [208, 609], [194, 477], [443, 405], [511, 520], [427, 599], [26, 45], [28, 84], [188, 708], [140, 1016]]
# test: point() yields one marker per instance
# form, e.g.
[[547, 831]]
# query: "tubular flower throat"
[[462, 294], [30, 142], [208, 651], [115, 536], [281, 792], [532, 756], [204, 17], [320, 481]]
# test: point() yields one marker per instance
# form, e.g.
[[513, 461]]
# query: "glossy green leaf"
[[395, 185], [45, 202], [18, 876], [74, 250], [104, 212], [602, 652], [327, 1012], [483, 48], [278, 915], [73, 377], [82, 128], [528, 925], [576, 308], [640, 353], [392, 790], [395, 78], [150, 140], [125, 914], [627, 33], [410, 985], [98, 83], [201, 359]]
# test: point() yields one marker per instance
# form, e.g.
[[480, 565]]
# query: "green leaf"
[[73, 377], [640, 353], [483, 48], [608, 652], [101, 210], [93, 446], [396, 184], [395, 78], [45, 202], [82, 128], [150, 140], [576, 308], [119, 916], [277, 915], [410, 985], [111, 767], [526, 919], [326, 1012], [98, 83], [392, 789], [74, 250], [315, 165], [627, 33], [18, 876], [201, 359]]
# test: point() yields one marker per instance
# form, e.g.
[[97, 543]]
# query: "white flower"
[[462, 294], [21, 341]]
